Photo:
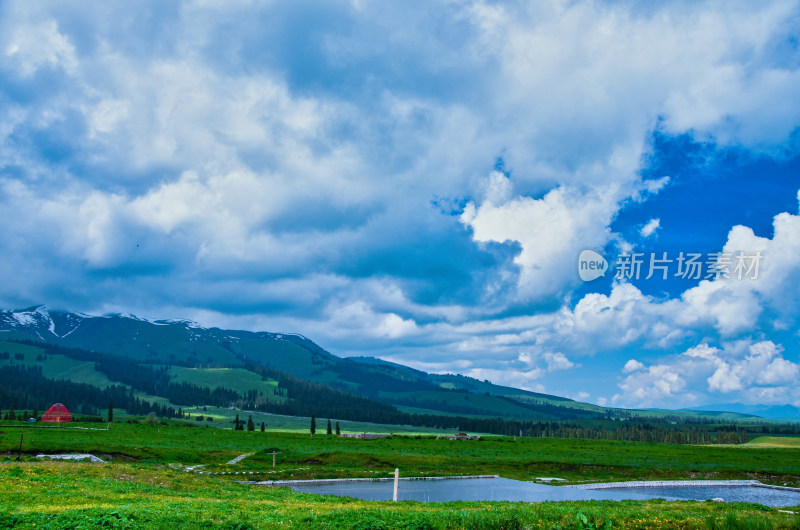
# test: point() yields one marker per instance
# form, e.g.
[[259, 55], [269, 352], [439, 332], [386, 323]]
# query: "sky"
[[416, 181]]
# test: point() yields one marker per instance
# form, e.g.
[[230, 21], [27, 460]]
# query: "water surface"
[[759, 495], [502, 489], [477, 489]]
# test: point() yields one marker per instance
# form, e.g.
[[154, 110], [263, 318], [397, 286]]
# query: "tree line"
[[155, 381], [27, 388]]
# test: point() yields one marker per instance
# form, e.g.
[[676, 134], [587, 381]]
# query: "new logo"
[[591, 265]]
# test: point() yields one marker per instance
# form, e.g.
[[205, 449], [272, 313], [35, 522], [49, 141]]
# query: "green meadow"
[[237, 379], [775, 441], [145, 482]]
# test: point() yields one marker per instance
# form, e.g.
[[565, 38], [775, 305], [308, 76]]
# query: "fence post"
[[396, 483]]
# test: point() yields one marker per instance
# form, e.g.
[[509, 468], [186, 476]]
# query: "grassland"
[[775, 441], [146, 483], [65, 495], [54, 366], [237, 379], [330, 457], [224, 418]]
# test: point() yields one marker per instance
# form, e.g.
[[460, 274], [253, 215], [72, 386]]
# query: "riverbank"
[[680, 483], [668, 483], [346, 480]]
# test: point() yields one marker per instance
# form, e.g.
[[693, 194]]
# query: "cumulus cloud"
[[730, 305], [746, 367], [551, 231], [619, 69], [359, 316], [763, 365], [526, 380], [646, 387], [633, 366], [557, 361]]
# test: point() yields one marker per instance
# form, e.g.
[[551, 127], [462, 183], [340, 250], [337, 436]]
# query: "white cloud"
[[551, 231], [499, 189], [633, 366], [107, 115], [653, 186], [603, 322], [620, 69], [746, 367], [763, 365], [32, 46], [733, 306], [729, 306], [725, 379], [557, 361], [650, 227], [360, 317], [524, 379], [645, 388], [581, 396], [703, 351]]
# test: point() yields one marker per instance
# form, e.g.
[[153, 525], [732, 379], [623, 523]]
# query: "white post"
[[396, 483]]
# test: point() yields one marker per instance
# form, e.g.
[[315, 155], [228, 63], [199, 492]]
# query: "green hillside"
[[53, 366], [776, 441], [192, 353], [236, 379]]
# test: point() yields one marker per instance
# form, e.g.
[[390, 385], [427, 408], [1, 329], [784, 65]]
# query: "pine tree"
[[330, 431], [313, 425], [110, 411], [11, 414], [250, 425], [239, 426], [338, 432], [263, 426]]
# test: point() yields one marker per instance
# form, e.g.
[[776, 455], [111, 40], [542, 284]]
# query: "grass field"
[[237, 379], [775, 441], [145, 483], [332, 457], [224, 417], [54, 366], [62, 495]]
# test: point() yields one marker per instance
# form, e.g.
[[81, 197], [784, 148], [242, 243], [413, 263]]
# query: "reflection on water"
[[765, 496], [479, 489], [502, 489]]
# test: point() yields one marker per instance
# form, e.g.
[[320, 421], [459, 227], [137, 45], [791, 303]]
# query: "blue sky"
[[417, 182]]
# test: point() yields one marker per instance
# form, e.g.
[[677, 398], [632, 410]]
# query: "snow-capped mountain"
[[39, 322]]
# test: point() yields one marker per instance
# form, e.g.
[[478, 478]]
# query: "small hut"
[[58, 413]]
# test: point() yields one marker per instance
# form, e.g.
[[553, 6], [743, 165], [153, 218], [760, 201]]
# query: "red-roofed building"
[[58, 413]]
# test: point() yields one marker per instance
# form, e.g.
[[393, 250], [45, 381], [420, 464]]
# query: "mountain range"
[[185, 344], [775, 412]]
